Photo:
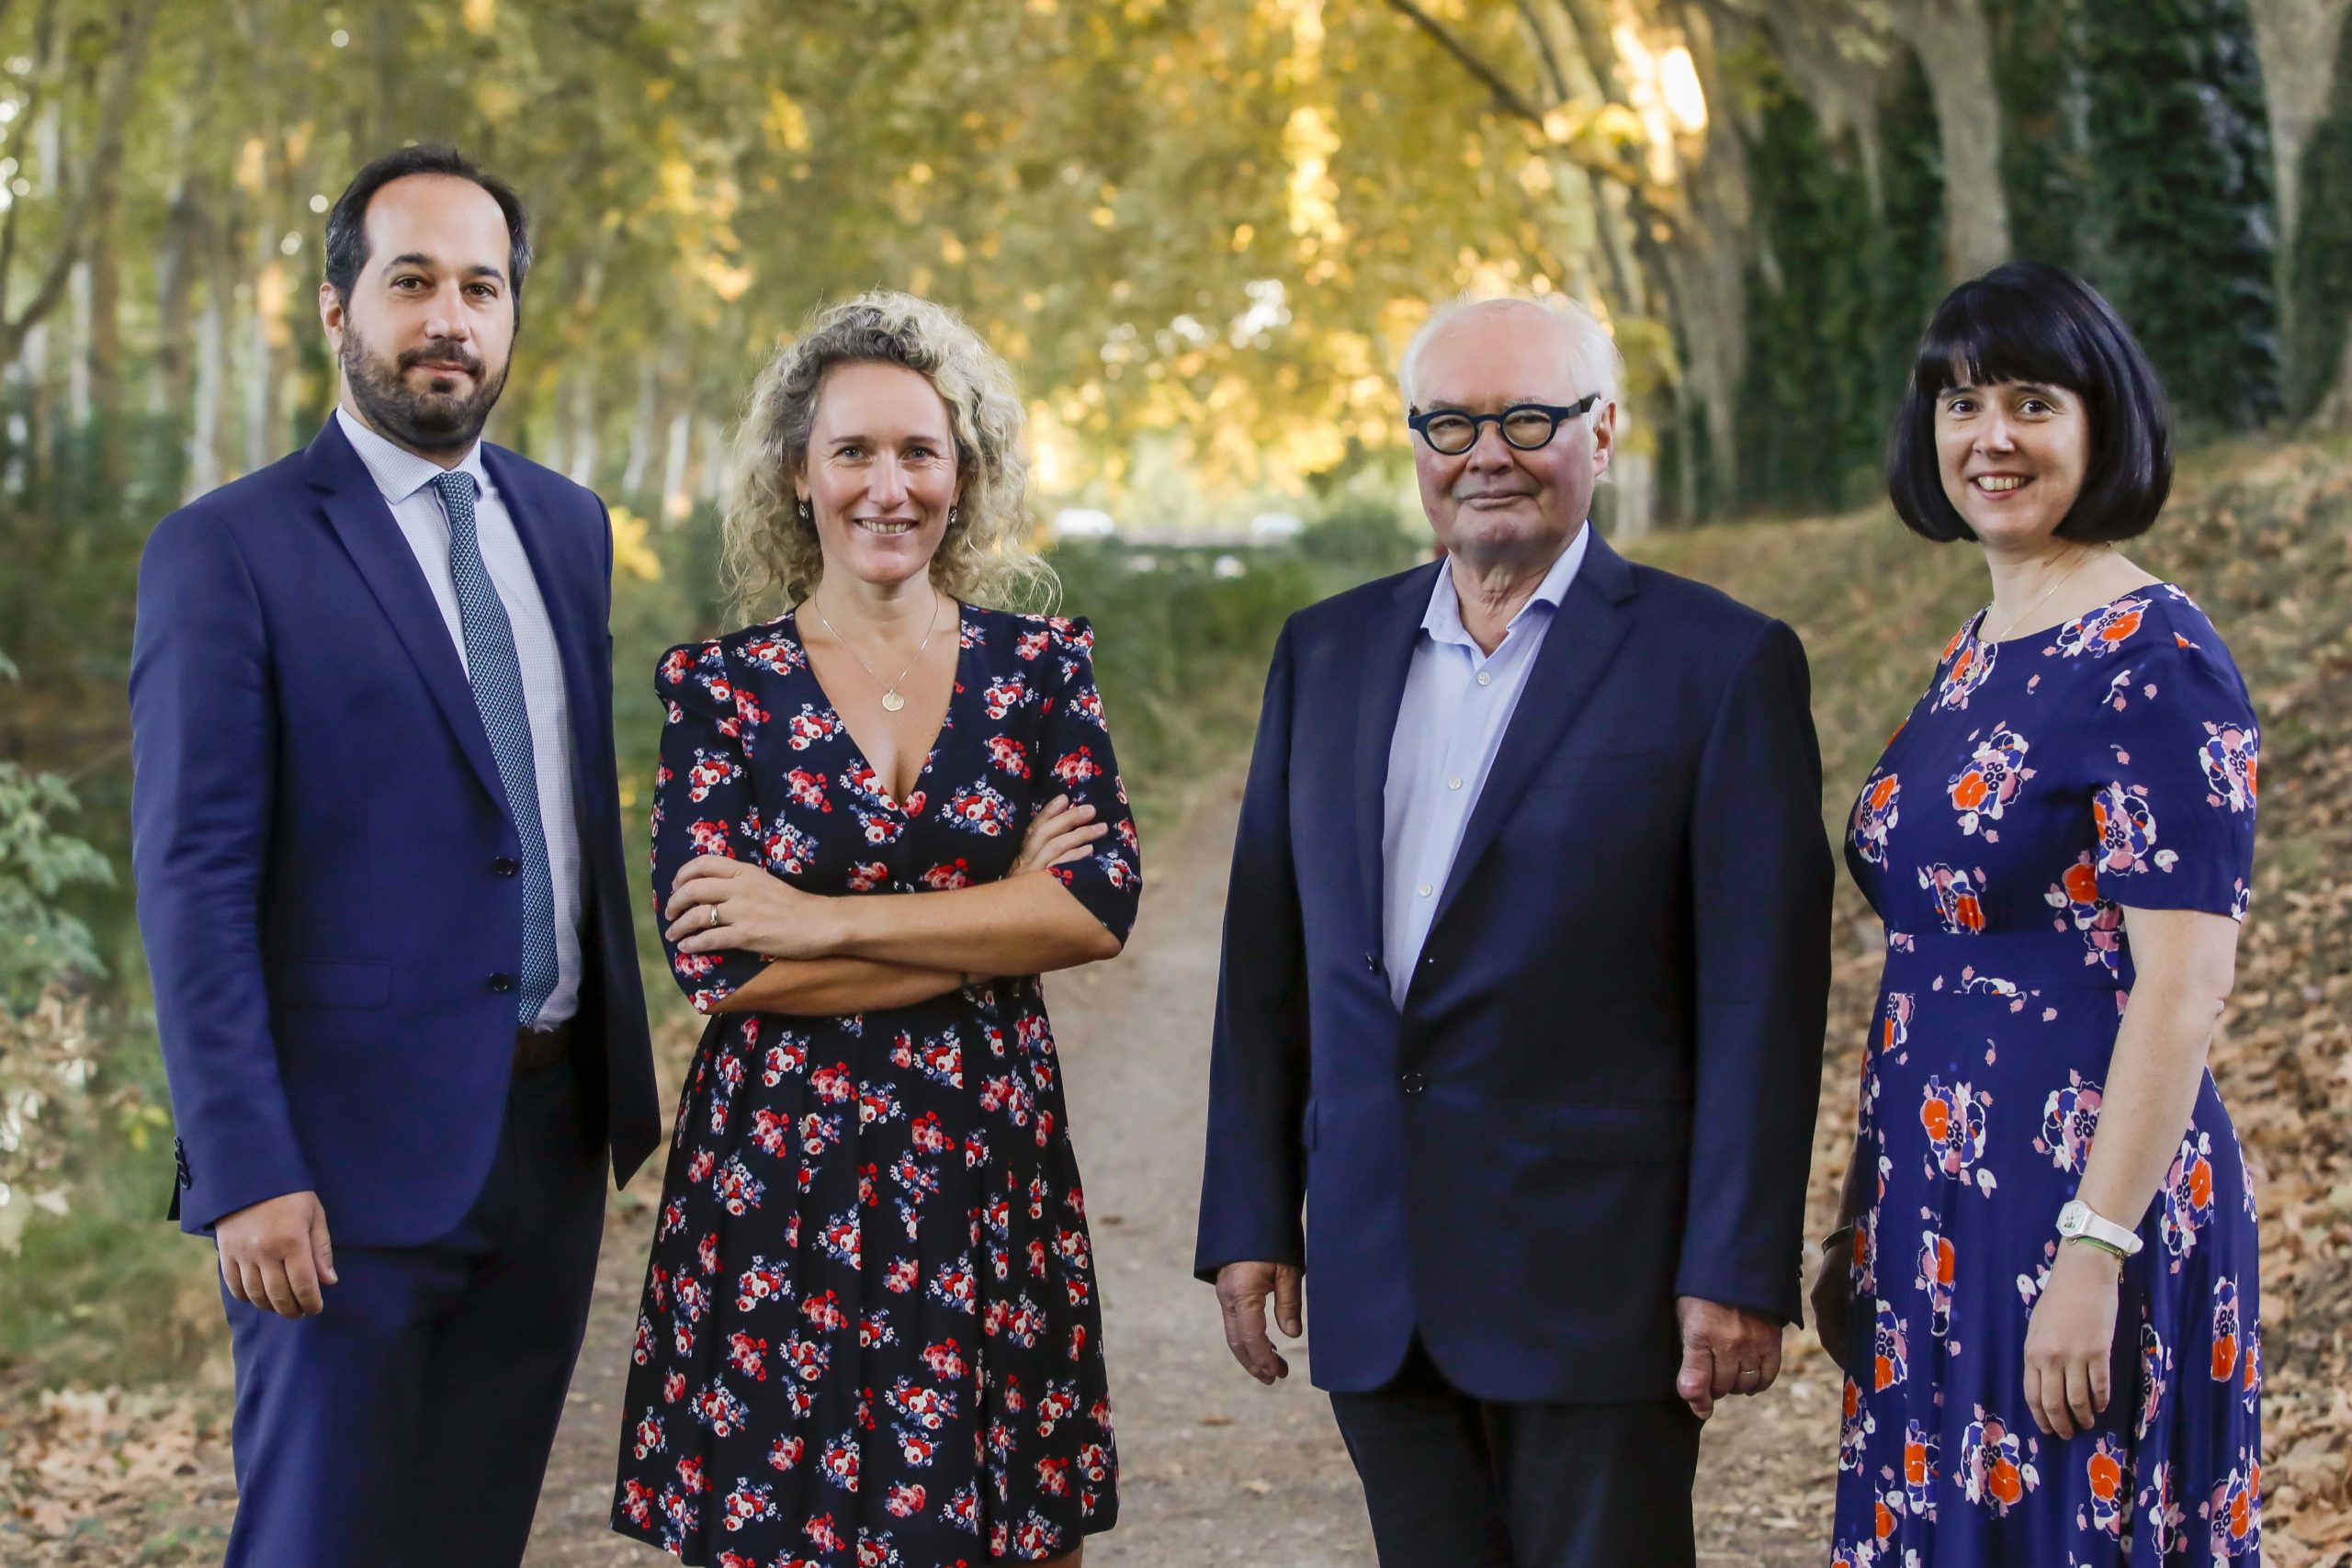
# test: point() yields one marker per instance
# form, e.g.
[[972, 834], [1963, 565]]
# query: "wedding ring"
[[714, 915], [1751, 1371]]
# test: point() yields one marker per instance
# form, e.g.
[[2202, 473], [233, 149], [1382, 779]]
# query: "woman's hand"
[[2070, 1338], [1058, 834], [718, 904]]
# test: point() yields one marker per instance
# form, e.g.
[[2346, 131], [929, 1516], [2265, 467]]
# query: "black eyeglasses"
[[1526, 427]]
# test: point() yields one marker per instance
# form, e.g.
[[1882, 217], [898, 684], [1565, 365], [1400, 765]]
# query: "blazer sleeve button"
[[502, 981], [1412, 1083]]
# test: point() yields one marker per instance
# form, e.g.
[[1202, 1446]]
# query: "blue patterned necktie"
[[497, 676]]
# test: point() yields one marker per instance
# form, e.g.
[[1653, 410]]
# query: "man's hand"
[[273, 1255], [1241, 1293], [1724, 1350]]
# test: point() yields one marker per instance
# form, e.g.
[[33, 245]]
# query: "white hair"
[[1594, 364]]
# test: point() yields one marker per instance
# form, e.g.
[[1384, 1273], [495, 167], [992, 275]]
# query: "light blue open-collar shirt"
[[1457, 704]]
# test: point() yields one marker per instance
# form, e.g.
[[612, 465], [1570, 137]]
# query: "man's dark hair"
[[346, 245], [2027, 322]]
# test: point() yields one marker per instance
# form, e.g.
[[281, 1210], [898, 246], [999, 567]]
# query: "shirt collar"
[[1442, 620], [399, 473]]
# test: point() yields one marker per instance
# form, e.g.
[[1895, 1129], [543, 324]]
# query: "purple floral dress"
[[870, 1334], [2040, 784]]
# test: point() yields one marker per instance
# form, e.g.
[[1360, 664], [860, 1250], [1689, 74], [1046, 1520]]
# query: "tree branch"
[[114, 111], [1506, 97]]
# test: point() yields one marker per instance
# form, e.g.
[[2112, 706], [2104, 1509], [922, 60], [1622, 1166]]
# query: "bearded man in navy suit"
[[1526, 967], [376, 836]]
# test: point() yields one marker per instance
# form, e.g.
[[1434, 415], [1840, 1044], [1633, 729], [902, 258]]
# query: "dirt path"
[[1215, 1469]]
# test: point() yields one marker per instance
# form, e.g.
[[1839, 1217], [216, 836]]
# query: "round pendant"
[[892, 701]]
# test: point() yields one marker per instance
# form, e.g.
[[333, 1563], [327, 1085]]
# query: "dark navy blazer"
[[324, 857], [1599, 1094]]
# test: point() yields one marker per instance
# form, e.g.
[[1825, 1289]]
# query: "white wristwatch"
[[2077, 1222]]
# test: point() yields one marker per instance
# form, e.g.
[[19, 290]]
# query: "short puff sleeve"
[[2173, 802]]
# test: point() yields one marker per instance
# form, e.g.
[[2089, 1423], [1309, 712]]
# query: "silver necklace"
[[891, 699], [2019, 619]]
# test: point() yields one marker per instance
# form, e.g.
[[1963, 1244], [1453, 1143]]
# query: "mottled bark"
[[2298, 41], [1955, 48]]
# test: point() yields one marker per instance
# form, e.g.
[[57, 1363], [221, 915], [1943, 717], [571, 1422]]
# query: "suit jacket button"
[[1413, 1083], [502, 981], [506, 866]]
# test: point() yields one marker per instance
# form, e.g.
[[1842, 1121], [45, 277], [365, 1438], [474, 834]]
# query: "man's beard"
[[423, 421]]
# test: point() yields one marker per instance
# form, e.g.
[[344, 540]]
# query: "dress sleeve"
[[1077, 747], [703, 803], [2172, 802]]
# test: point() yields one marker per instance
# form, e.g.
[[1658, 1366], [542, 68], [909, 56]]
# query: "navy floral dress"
[[870, 1334], [2039, 783]]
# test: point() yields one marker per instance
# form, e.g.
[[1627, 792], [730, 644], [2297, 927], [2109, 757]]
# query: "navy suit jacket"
[[1600, 1092], [325, 860]]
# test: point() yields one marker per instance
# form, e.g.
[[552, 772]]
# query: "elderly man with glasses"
[[1526, 965]]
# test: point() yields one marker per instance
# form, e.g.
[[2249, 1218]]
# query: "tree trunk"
[[212, 379], [676, 501], [1955, 48], [584, 428], [2297, 41], [641, 432]]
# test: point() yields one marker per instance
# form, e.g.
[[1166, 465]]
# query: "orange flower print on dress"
[[2108, 1471], [2225, 1329], [1919, 1446], [1989, 780], [2188, 1195], [2075, 896], [1856, 1426], [1891, 1361], [1876, 813], [2232, 759], [2102, 631], [1966, 675], [1958, 900], [1996, 1470], [1953, 1119], [2235, 1517], [2126, 825], [1895, 1022], [2069, 1117]]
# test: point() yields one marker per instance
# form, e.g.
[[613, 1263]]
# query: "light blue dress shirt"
[[1457, 702], [405, 481]]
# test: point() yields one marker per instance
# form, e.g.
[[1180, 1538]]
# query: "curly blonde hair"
[[771, 559]]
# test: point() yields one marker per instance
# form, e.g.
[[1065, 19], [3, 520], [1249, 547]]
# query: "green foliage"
[[2181, 201], [40, 943], [1837, 298], [2319, 277], [1364, 536], [2044, 153]]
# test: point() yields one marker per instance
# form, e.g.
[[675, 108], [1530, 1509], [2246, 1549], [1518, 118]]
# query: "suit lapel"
[[1389, 635], [374, 541], [1583, 636]]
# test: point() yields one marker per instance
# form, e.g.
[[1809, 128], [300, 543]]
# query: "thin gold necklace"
[[892, 700], [2019, 619]]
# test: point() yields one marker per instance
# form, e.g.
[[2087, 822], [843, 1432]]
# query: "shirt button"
[[1412, 1083], [1425, 891], [506, 866], [1372, 961], [1453, 783], [502, 981], [1485, 678]]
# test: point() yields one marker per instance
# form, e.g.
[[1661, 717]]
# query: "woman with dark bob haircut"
[[2044, 1289]]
